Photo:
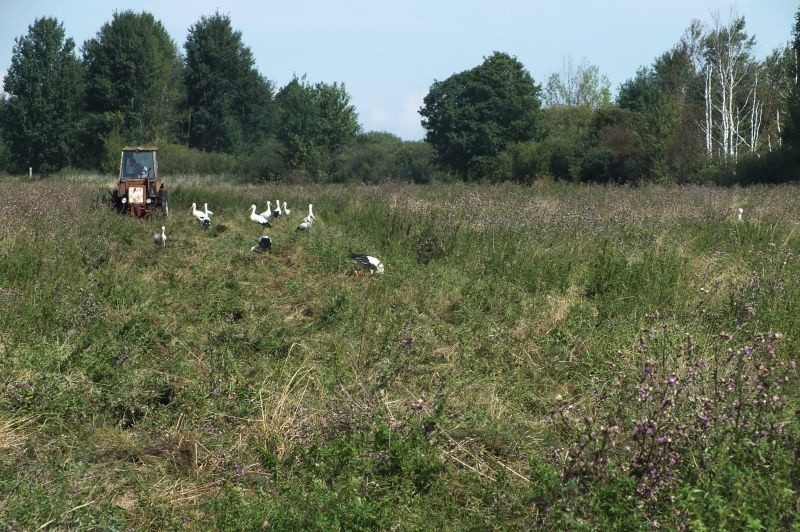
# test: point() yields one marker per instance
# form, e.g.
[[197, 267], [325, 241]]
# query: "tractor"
[[139, 188]]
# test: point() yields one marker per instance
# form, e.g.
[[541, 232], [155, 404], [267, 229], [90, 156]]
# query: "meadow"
[[554, 357]]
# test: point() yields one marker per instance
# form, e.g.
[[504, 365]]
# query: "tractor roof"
[[139, 148]]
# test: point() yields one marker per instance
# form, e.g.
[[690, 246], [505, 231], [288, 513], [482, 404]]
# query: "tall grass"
[[509, 370]]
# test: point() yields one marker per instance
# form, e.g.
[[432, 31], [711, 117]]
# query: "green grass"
[[473, 385]]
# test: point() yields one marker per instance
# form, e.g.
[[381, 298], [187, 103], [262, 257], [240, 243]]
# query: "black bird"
[[367, 262], [264, 245]]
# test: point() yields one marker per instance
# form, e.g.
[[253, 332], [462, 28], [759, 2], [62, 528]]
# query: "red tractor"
[[139, 188]]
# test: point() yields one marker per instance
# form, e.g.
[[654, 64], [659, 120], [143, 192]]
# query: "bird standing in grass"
[[268, 213], [277, 213], [264, 245], [739, 213], [204, 220], [310, 218], [208, 213], [286, 210], [305, 225], [160, 239], [367, 262], [257, 218]]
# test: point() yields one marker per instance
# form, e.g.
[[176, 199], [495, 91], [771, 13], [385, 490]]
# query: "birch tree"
[[730, 90], [575, 85]]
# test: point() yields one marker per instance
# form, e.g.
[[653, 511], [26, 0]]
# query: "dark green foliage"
[[5, 154], [297, 118], [316, 123], [568, 132], [792, 134], [230, 103], [134, 84], [265, 162], [376, 157], [174, 159], [338, 120], [40, 118], [525, 162], [616, 152], [472, 116], [780, 166], [667, 102]]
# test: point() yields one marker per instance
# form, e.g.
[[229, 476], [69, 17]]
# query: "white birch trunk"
[[709, 129]]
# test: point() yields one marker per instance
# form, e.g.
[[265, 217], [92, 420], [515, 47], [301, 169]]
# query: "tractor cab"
[[137, 164], [139, 188]]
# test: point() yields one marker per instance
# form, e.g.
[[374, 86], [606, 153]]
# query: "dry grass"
[[14, 433], [181, 493], [286, 416]]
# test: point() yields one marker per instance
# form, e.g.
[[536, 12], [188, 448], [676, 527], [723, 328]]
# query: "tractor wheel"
[[115, 200], [163, 203]]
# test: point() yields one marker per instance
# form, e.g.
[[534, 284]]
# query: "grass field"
[[558, 356]]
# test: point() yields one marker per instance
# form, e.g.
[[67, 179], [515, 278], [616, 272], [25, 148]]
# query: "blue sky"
[[388, 53]]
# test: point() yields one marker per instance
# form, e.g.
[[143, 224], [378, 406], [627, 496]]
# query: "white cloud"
[[378, 119], [409, 126], [401, 119]]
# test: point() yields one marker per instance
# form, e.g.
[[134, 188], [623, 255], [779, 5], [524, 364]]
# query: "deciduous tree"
[[315, 122], [575, 85], [230, 102], [792, 132], [729, 90], [474, 115], [135, 79], [40, 116]]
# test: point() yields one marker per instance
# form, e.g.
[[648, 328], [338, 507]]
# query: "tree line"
[[705, 111]]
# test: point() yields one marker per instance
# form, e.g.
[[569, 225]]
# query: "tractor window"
[[136, 164]]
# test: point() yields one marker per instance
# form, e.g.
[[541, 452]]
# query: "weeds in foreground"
[[683, 410], [203, 386]]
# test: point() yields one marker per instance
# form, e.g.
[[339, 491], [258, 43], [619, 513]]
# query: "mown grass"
[[546, 357]]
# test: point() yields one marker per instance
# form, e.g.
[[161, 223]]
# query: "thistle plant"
[[683, 407]]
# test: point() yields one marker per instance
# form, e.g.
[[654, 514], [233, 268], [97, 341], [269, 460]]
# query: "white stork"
[[257, 218], [367, 262], [204, 220], [160, 239], [310, 218], [268, 213]]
